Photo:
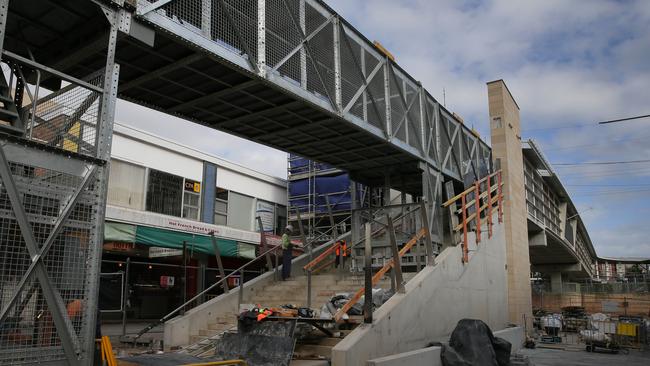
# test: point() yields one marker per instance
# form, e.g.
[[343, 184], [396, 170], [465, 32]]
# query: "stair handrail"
[[349, 248], [217, 283], [479, 207]]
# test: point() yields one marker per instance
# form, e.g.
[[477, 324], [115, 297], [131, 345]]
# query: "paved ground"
[[551, 357]]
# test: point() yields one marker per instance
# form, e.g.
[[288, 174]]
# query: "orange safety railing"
[[481, 200]]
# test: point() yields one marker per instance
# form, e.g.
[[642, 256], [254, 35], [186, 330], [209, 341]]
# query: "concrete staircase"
[[293, 291]]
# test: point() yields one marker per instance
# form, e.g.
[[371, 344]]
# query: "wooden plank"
[[379, 275]]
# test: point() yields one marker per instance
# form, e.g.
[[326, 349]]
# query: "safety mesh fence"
[[28, 333], [67, 118], [305, 43]]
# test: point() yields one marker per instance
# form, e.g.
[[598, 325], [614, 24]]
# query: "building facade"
[[165, 203]]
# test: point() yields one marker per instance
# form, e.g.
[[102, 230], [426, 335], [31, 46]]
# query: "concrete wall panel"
[[435, 300]]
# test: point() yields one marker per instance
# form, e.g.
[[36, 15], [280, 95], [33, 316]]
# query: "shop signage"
[[166, 281], [158, 252], [192, 186], [151, 219], [266, 211]]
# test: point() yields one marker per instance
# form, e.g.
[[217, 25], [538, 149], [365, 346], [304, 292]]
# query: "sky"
[[568, 64]]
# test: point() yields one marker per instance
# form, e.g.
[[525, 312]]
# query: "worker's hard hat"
[[289, 227]]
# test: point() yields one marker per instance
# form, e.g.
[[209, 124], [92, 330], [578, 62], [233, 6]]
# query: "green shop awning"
[[169, 239]]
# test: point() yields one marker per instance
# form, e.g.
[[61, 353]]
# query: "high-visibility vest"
[[343, 245]]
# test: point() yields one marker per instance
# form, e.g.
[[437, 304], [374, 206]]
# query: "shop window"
[[221, 207], [126, 185], [280, 219], [191, 199], [240, 211], [164, 193], [191, 205]]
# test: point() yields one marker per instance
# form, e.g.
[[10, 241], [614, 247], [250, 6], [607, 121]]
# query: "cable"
[[605, 162], [635, 138], [607, 185], [599, 193], [623, 119]]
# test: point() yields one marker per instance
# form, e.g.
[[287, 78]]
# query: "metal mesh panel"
[[376, 95], [67, 119], [430, 116], [283, 36], [28, 334], [352, 78], [320, 71], [233, 26], [397, 108], [413, 127]]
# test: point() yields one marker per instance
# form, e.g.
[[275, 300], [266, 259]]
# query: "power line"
[[623, 119], [601, 193], [605, 162], [633, 138], [608, 185]]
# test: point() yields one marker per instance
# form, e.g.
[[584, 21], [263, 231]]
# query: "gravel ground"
[[552, 357]]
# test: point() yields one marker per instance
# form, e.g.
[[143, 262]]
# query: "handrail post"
[[240, 298], [305, 246], [489, 207], [464, 210], [217, 253], [427, 234], [263, 243], [500, 196], [477, 205], [335, 235], [367, 303], [397, 263]]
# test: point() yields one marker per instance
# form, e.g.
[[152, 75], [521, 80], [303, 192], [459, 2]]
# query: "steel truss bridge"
[[290, 74]]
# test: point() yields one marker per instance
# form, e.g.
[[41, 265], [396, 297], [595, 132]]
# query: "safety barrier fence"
[[474, 201]]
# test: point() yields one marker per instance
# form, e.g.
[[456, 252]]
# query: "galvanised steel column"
[[119, 20]]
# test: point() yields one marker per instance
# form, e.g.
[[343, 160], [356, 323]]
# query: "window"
[[240, 211], [280, 219], [126, 185], [191, 205], [164, 193], [221, 207]]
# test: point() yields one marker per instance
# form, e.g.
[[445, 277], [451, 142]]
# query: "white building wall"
[[141, 148], [156, 157]]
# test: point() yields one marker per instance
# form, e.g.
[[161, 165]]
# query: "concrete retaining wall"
[[435, 300], [430, 356], [177, 331]]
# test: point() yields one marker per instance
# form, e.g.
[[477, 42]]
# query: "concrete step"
[[311, 350], [197, 338]]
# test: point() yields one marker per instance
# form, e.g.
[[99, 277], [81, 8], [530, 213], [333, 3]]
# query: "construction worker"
[[342, 247], [287, 249]]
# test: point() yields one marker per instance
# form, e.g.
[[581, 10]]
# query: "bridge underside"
[[179, 80], [549, 253]]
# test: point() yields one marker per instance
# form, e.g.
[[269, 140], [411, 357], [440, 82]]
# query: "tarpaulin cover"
[[335, 187], [124, 233], [174, 240], [473, 344], [246, 250]]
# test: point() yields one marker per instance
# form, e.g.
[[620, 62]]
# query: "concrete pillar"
[[556, 282], [505, 129]]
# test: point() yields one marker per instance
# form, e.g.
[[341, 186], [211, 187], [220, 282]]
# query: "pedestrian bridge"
[[290, 74]]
